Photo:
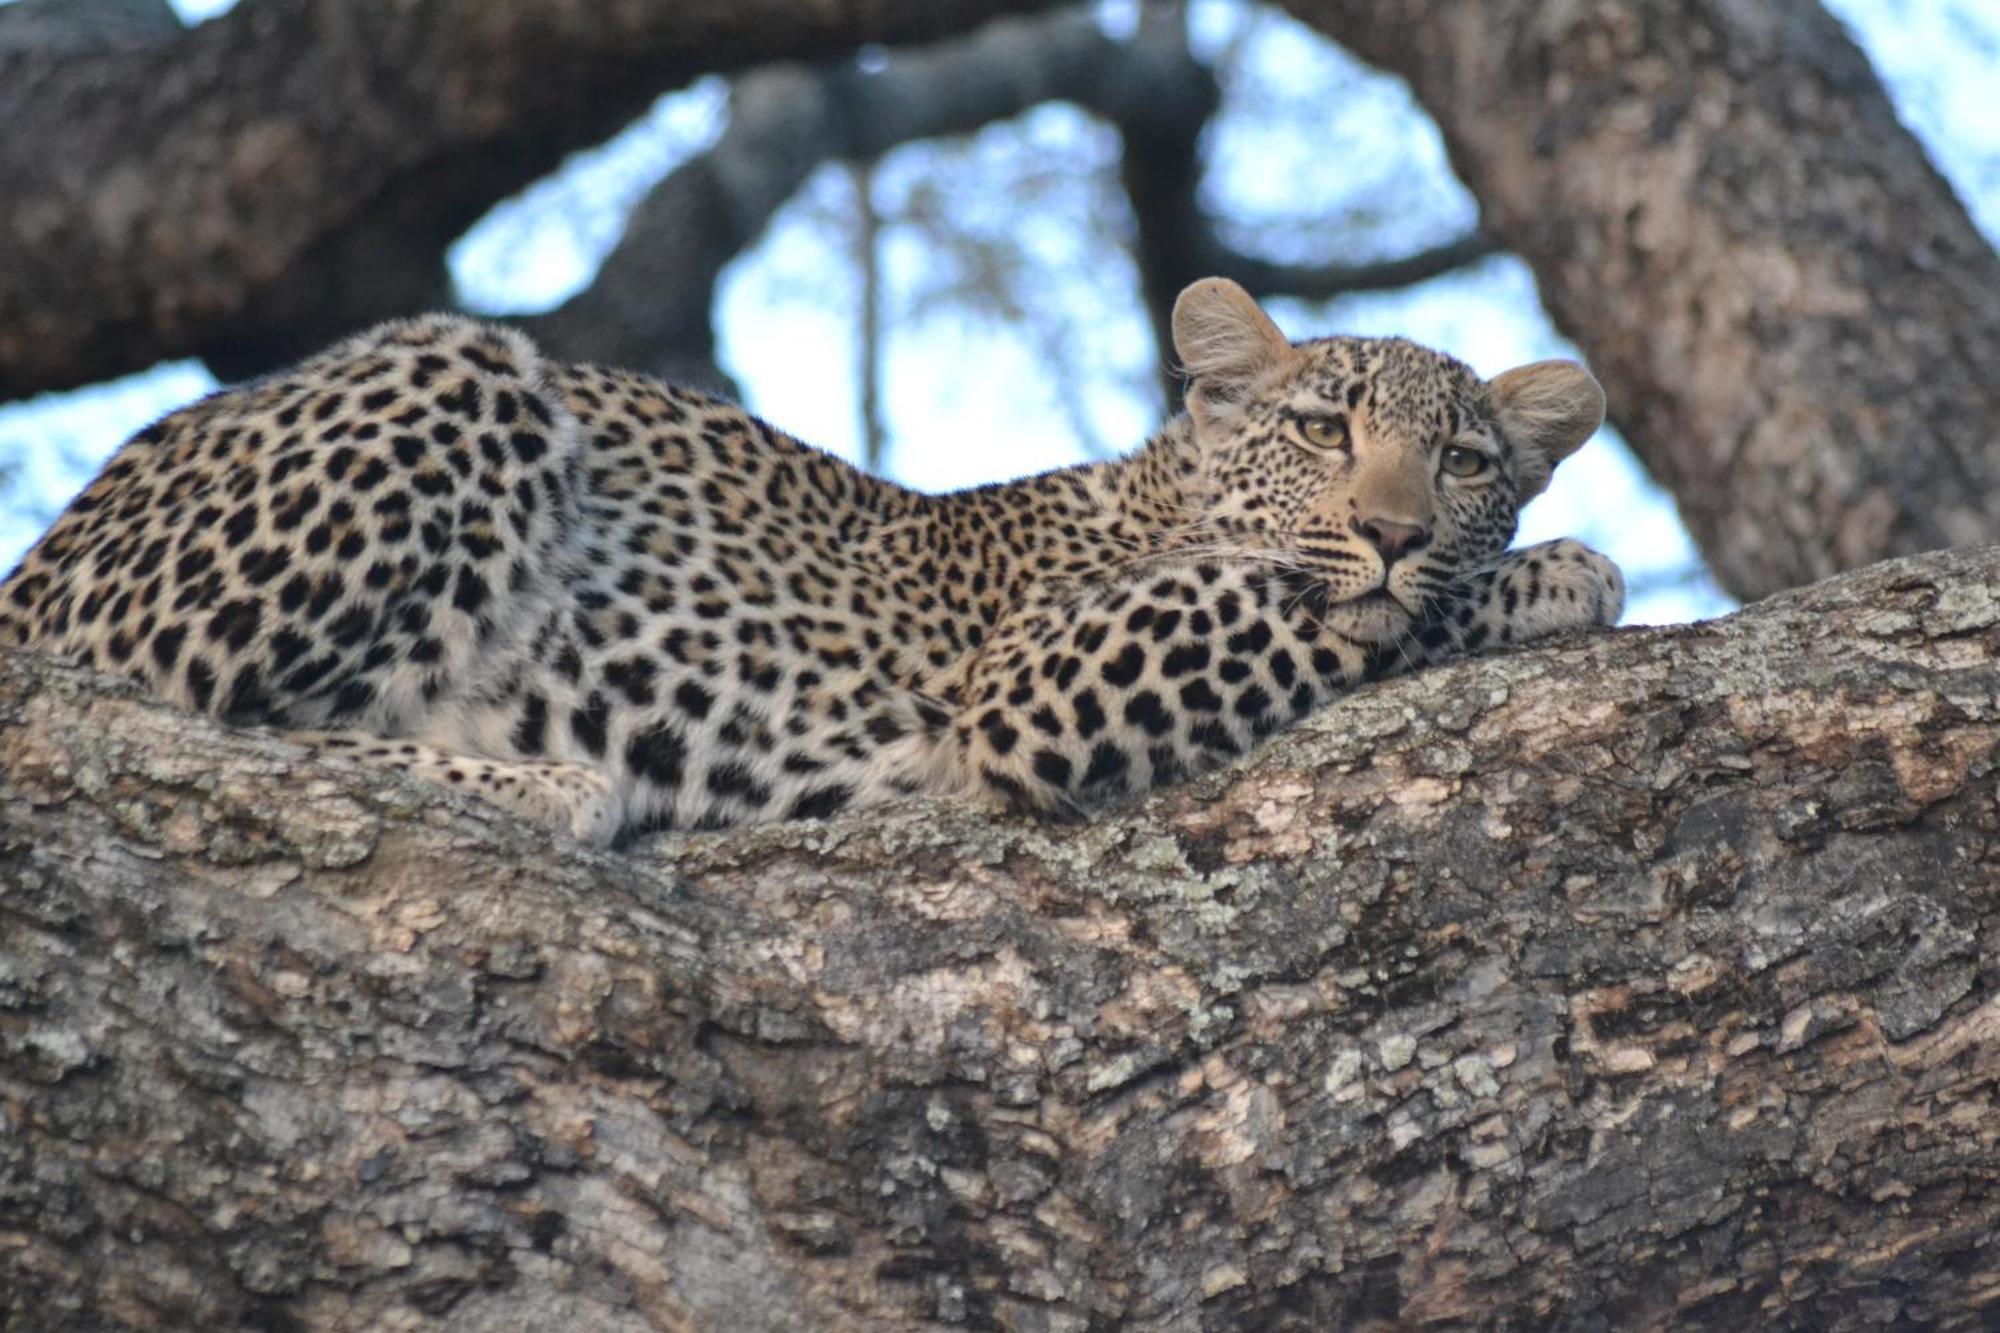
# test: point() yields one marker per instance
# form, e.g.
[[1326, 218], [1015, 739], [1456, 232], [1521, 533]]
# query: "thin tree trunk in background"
[[868, 271], [1160, 167], [1642, 982], [1795, 321]]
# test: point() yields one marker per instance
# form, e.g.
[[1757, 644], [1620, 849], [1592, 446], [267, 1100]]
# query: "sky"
[[967, 398]]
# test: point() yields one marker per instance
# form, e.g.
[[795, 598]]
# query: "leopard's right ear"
[[1547, 410], [1226, 344]]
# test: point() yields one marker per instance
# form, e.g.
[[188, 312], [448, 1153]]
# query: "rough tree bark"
[[1794, 319], [1646, 979]]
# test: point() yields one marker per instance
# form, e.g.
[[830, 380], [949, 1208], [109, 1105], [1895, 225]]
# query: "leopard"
[[613, 606]]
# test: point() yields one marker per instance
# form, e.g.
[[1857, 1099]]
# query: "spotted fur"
[[612, 605]]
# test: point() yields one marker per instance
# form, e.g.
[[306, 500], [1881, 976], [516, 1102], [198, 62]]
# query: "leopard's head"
[[1378, 467]]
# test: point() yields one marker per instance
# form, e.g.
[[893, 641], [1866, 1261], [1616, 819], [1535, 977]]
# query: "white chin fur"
[[1370, 619]]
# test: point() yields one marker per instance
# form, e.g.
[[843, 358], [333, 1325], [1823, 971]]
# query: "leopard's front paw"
[[1559, 585]]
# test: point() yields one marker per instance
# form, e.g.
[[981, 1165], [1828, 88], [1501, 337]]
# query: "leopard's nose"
[[1394, 540]]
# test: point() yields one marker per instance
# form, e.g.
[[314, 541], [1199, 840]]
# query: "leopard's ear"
[[1546, 411], [1226, 344]]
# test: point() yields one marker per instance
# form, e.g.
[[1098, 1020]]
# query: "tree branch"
[[297, 167], [1323, 282], [1794, 319], [1642, 980], [649, 306]]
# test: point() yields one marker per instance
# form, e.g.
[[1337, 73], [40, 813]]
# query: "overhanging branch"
[[1320, 282], [296, 167], [650, 304], [291, 227]]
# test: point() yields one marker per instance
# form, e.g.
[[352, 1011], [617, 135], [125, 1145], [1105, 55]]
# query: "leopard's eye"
[[1324, 433], [1460, 461]]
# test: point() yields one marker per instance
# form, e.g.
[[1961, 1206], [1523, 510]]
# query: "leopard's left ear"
[[1546, 411], [1227, 346]]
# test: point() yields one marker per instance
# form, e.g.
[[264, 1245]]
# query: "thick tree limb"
[[1641, 981], [1794, 319], [297, 167]]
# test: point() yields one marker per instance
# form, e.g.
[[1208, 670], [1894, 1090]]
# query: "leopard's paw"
[[1556, 586]]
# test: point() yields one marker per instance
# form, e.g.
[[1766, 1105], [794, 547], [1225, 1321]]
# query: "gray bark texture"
[[1648, 980], [1794, 319]]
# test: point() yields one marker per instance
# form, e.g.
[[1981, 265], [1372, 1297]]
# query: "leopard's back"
[[341, 544]]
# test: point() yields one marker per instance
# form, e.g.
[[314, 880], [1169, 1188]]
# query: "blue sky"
[[968, 399]]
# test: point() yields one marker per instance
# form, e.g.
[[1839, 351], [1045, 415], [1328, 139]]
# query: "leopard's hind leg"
[[568, 798]]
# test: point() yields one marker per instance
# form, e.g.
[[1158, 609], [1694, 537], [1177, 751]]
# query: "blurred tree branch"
[[1322, 282], [255, 185], [1177, 242], [221, 214], [650, 304]]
